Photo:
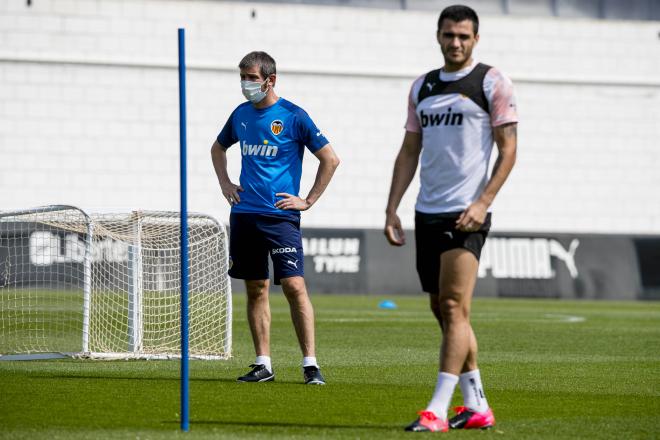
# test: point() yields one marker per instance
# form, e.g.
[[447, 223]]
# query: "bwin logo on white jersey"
[[284, 250], [259, 150], [447, 118]]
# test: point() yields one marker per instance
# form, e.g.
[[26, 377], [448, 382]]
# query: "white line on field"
[[557, 317], [565, 318]]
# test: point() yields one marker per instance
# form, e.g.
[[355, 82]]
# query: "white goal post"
[[108, 285]]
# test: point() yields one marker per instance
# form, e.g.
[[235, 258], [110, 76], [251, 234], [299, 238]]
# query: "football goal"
[[108, 285]]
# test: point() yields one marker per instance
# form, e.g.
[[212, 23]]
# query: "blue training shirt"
[[272, 142]]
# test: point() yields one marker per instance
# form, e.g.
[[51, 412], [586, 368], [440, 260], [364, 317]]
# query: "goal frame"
[[135, 322]]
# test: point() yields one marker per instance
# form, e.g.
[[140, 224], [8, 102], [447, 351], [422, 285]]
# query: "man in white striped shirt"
[[454, 115]]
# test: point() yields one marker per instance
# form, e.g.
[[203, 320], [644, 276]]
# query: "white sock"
[[441, 399], [310, 361], [473, 391], [265, 361]]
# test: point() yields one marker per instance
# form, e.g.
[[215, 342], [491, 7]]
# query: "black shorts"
[[437, 233], [253, 237]]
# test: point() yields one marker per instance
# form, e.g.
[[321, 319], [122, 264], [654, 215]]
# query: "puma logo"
[[293, 263], [567, 256], [430, 85]]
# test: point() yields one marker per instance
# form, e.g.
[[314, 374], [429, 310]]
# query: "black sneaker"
[[259, 373], [313, 376]]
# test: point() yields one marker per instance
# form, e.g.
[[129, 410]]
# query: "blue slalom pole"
[[185, 411]]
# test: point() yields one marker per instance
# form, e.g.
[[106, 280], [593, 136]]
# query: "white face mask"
[[252, 91]]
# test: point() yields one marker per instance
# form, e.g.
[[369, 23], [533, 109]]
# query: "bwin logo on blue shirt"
[[259, 150]]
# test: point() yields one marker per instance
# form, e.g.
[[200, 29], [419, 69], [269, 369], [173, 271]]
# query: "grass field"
[[552, 370]]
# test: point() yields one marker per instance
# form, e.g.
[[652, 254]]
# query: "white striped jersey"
[[455, 113]]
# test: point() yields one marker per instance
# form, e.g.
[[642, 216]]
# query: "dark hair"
[[459, 13], [265, 62]]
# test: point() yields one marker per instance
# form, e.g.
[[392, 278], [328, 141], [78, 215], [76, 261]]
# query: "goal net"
[[109, 285]]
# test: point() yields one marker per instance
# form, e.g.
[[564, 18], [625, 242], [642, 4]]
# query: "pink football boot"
[[426, 422], [465, 418]]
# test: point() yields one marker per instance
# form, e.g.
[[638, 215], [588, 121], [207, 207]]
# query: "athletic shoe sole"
[[265, 379]]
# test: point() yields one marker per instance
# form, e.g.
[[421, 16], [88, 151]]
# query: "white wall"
[[89, 106]]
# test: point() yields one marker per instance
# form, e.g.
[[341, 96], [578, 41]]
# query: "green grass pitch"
[[552, 370]]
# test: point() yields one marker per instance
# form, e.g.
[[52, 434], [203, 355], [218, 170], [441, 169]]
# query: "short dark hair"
[[265, 62], [459, 13]]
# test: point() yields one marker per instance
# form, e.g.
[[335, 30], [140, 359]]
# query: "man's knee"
[[451, 309], [256, 288], [294, 286]]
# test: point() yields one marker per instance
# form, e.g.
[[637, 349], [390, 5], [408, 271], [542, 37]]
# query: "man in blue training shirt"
[[265, 207]]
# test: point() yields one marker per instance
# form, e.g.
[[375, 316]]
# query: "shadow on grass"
[[165, 379], [287, 425]]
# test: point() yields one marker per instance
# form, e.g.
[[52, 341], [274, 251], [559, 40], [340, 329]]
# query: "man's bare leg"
[[302, 315], [452, 309], [458, 273], [471, 360], [258, 312], [302, 312]]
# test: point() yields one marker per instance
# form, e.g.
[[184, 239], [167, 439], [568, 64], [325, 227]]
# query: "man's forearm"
[[404, 171], [405, 166], [219, 159], [501, 171], [506, 139], [324, 175]]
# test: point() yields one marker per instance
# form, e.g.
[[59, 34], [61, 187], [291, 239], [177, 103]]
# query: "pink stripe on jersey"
[[412, 123], [499, 92]]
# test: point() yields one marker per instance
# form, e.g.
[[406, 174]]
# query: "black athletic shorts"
[[254, 237], [437, 233]]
